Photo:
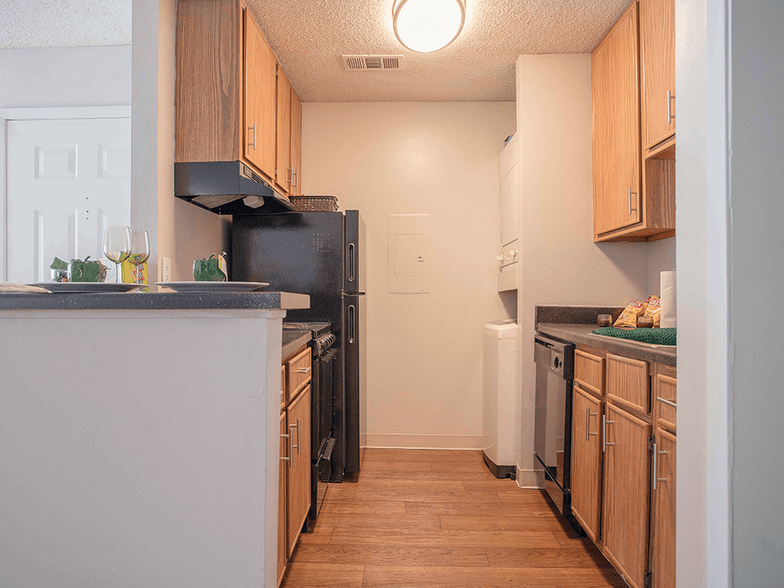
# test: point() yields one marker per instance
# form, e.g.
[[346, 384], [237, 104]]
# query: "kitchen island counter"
[[141, 436]]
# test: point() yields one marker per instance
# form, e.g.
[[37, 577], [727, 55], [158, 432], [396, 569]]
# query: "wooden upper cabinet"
[[657, 49], [296, 143], [260, 71], [283, 172], [616, 127], [208, 85]]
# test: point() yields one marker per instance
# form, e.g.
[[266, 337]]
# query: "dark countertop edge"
[[155, 301], [293, 339], [581, 333]]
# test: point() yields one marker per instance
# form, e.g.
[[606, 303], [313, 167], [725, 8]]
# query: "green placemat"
[[654, 336]]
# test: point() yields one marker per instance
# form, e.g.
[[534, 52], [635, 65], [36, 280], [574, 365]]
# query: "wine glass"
[[140, 252], [117, 247]]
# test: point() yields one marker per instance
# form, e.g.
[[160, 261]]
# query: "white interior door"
[[67, 180]]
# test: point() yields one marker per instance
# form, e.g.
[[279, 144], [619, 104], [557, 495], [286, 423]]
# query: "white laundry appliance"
[[501, 397]]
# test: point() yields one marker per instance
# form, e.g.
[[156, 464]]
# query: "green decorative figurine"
[[86, 271], [212, 269]]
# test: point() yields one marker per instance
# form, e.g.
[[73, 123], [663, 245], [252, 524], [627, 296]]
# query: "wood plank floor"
[[433, 519]]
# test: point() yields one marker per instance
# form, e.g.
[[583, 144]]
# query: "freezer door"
[[355, 380], [354, 279]]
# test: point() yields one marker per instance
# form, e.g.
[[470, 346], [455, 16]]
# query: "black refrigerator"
[[321, 254]]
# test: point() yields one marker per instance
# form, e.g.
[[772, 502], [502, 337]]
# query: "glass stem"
[[117, 275]]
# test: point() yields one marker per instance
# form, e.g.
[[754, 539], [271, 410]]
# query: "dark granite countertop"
[[293, 339], [155, 301], [666, 354]]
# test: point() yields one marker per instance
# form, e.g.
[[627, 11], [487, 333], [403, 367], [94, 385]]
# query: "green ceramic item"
[[208, 270], [86, 271]]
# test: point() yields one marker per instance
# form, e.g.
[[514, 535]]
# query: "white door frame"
[[46, 113]]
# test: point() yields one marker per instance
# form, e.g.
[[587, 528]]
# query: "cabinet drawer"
[[299, 369], [666, 397], [627, 382], [589, 371]]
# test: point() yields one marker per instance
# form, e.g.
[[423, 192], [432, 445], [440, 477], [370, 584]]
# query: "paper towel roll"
[[669, 302]]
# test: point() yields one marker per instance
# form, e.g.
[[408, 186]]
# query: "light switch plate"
[[165, 269]]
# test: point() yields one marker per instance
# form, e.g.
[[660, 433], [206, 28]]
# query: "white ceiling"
[[64, 23], [309, 37]]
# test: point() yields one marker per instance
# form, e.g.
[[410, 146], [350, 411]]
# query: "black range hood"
[[227, 187]]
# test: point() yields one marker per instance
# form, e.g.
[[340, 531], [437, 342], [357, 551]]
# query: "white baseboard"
[[404, 441], [529, 478]]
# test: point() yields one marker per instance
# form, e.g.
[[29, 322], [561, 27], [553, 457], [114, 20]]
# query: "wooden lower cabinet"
[[282, 477], [663, 528], [298, 491], [587, 413], [626, 494]]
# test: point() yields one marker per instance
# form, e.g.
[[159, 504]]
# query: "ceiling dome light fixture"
[[427, 25]]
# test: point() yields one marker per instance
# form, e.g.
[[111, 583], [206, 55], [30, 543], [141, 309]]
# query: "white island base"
[[136, 448]]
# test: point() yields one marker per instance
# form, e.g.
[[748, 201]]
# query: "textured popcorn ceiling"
[[309, 37], [64, 23]]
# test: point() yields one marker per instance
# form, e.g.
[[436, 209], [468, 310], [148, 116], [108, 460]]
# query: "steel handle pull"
[[291, 428], [299, 436], [352, 262], [352, 333], [670, 115], [605, 422], [291, 175], [288, 459], [629, 200], [587, 423], [296, 174], [653, 466], [304, 370], [254, 136], [667, 402]]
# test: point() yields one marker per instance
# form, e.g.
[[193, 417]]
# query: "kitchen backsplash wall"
[[661, 258], [424, 350]]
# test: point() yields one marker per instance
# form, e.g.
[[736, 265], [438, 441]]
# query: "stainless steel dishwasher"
[[553, 422]]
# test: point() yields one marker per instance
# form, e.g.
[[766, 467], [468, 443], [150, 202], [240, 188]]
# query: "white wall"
[[560, 262], [756, 256], [661, 258], [703, 526], [178, 230], [63, 76], [424, 350]]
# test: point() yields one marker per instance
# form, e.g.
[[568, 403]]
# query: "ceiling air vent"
[[371, 62]]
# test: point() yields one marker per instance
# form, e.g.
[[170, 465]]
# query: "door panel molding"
[[39, 113]]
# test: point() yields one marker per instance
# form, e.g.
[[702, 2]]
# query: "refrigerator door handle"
[[352, 262], [352, 323]]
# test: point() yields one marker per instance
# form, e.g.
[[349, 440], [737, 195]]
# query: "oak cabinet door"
[[626, 493], [296, 143], [616, 127], [657, 48], [283, 473], [299, 473], [586, 461], [663, 532], [260, 69], [283, 170]]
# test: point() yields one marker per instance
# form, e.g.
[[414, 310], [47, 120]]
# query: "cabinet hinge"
[[647, 581]]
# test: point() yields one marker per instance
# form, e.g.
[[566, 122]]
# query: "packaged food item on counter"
[[654, 310], [628, 318]]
